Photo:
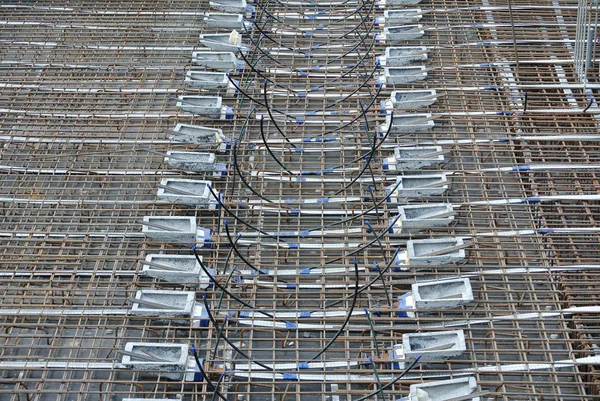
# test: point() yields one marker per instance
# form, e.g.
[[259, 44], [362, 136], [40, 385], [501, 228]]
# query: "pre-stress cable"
[[362, 21], [303, 72], [228, 341], [366, 286], [369, 158], [225, 290], [330, 170], [237, 218], [232, 243], [329, 343], [317, 88], [333, 60], [348, 315], [275, 158], [335, 130], [211, 386], [303, 93], [271, 15]]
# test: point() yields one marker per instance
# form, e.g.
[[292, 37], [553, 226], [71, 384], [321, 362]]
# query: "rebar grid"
[[88, 95]]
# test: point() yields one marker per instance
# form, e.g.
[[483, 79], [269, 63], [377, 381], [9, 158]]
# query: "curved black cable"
[[268, 37], [392, 382], [294, 26], [264, 139], [348, 315], [253, 99], [211, 386], [355, 48], [385, 289], [237, 169], [219, 334], [381, 202], [366, 286], [271, 115], [362, 22], [364, 168], [360, 115], [236, 217], [214, 394], [589, 105], [228, 341], [225, 290], [242, 131], [366, 154], [239, 254], [368, 244], [260, 74]]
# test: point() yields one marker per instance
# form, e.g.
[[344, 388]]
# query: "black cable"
[[364, 168], [264, 139], [391, 383], [237, 218], [385, 289], [361, 22], [237, 169], [294, 26], [361, 157], [260, 74], [214, 394], [368, 244], [381, 202], [253, 99], [589, 105], [355, 48], [228, 341], [268, 37], [366, 286], [242, 131], [348, 315], [239, 254], [225, 290], [271, 115], [211, 386], [354, 119], [219, 334]]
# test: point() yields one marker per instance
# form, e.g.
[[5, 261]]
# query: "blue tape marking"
[[304, 232], [521, 168], [305, 271], [244, 314], [290, 325], [290, 376], [301, 95], [303, 365], [545, 231], [531, 200], [293, 246], [304, 314], [290, 286]]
